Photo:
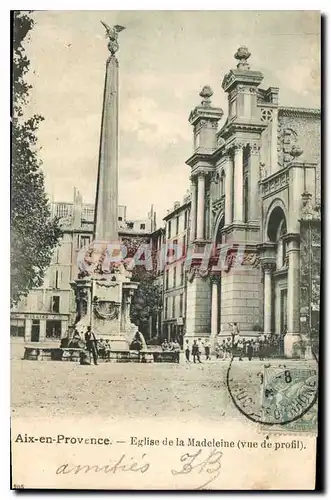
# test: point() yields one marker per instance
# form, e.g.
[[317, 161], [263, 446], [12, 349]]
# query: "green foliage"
[[147, 300], [33, 233]]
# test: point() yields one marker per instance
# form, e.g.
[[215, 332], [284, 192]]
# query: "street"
[[54, 388]]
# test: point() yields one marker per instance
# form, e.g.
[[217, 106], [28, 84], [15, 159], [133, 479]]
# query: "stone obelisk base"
[[104, 304]]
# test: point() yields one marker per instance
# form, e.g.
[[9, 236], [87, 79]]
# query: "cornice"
[[207, 157], [292, 111], [242, 126], [182, 207], [235, 76], [206, 113], [289, 237]]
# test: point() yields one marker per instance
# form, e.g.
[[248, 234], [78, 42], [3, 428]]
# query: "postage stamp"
[[289, 397], [277, 394]]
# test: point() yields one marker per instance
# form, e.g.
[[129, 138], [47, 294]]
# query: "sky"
[[165, 58]]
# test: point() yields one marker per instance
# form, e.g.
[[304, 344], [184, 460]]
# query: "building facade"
[[48, 311], [250, 179], [174, 277]]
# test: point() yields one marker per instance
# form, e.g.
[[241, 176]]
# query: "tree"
[[33, 232], [146, 302]]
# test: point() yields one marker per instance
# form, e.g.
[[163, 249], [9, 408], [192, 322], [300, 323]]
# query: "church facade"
[[254, 183]]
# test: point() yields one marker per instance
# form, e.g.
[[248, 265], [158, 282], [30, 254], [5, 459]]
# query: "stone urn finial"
[[242, 55], [205, 94], [296, 151]]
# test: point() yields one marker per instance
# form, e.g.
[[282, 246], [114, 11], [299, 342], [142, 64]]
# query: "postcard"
[[165, 250]]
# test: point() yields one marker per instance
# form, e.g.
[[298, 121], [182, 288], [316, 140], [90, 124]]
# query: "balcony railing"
[[275, 182]]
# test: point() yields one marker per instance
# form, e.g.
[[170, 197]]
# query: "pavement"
[[55, 388]]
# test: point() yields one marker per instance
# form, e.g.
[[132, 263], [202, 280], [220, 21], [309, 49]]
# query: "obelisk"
[[103, 288], [106, 204]]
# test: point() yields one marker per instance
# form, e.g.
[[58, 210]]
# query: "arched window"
[[219, 240], [276, 232]]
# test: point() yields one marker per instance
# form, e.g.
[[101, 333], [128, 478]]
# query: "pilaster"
[[228, 167], [64, 328], [293, 292], [42, 331], [268, 268], [267, 252], [238, 183], [296, 185], [214, 305], [28, 328], [254, 177], [201, 206], [193, 212]]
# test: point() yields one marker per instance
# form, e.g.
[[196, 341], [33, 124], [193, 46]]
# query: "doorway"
[[35, 330]]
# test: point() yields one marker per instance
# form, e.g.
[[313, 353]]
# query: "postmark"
[[276, 393]]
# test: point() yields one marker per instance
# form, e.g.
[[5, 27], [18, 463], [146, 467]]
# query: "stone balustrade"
[[275, 182]]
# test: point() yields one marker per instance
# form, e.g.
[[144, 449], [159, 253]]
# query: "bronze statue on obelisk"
[[103, 289], [112, 35]]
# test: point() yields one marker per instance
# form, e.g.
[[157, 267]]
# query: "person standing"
[[229, 348], [195, 352], [250, 350], [91, 344], [207, 350], [240, 348], [200, 345], [235, 338], [218, 349], [107, 350], [256, 347], [187, 351], [223, 350], [261, 348]]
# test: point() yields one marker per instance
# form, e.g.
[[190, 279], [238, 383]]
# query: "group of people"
[[93, 348], [197, 349], [262, 347], [89, 345], [171, 345]]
